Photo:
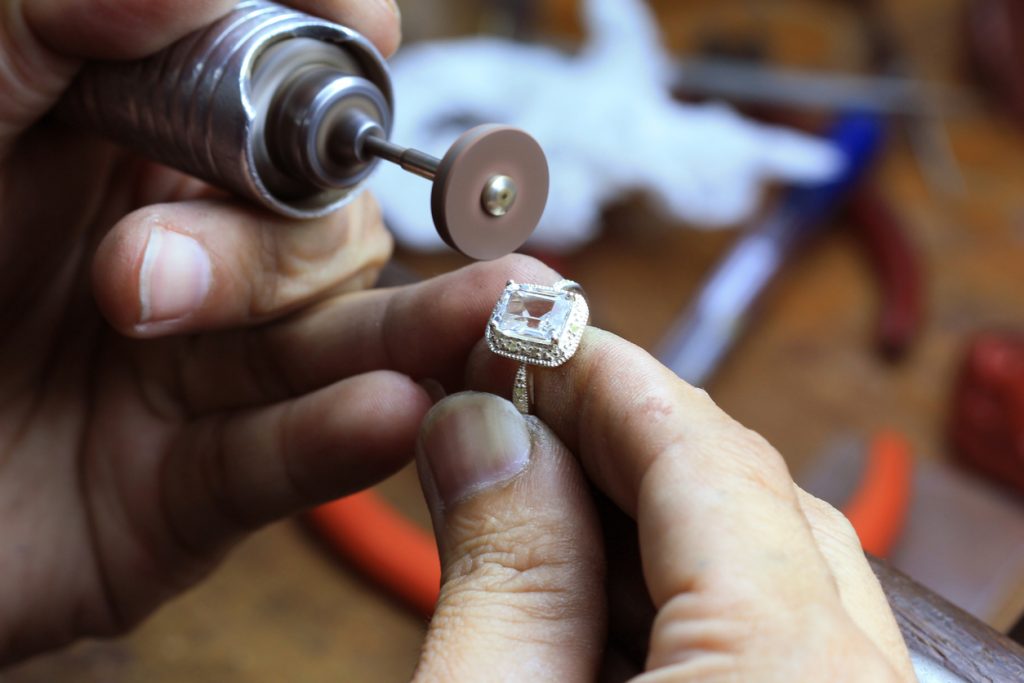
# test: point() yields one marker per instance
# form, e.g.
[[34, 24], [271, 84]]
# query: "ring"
[[537, 325]]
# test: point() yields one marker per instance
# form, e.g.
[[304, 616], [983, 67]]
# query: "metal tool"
[[737, 80], [293, 113], [695, 345]]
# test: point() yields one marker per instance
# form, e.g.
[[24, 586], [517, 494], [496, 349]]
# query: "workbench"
[[282, 608]]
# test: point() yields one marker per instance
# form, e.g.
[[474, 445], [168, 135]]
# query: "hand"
[[128, 466], [745, 576]]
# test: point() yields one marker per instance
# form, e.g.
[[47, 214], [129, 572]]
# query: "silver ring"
[[537, 325]]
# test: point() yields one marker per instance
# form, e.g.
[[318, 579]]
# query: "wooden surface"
[[947, 636], [282, 609]]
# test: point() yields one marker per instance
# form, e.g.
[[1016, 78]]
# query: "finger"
[[378, 20], [44, 40], [425, 330], [230, 474], [520, 549], [728, 557], [645, 437], [117, 29], [204, 265], [859, 589], [129, 29]]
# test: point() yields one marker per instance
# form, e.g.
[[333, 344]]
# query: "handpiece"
[[293, 113]]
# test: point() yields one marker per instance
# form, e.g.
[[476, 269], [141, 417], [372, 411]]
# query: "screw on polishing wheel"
[[490, 191]]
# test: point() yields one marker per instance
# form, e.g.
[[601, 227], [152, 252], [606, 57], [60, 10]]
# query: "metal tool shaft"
[[412, 160]]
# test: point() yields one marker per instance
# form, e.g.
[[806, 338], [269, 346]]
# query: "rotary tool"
[[293, 112]]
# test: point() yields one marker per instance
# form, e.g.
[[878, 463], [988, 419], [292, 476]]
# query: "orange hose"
[[402, 558], [375, 539], [878, 509]]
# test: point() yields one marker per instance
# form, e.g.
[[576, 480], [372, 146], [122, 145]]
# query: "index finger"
[[130, 29], [44, 41]]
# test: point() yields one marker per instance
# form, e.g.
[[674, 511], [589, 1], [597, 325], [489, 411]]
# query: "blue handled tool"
[[696, 344]]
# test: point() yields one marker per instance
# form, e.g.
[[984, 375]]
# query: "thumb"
[[522, 564]]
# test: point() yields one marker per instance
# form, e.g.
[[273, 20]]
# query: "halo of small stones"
[[535, 353]]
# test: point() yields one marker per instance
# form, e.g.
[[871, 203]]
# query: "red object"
[[899, 275], [987, 419], [995, 41], [388, 549], [878, 508]]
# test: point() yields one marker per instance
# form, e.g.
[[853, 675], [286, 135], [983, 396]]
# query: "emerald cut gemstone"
[[534, 316]]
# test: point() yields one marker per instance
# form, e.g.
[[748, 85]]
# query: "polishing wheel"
[[490, 191]]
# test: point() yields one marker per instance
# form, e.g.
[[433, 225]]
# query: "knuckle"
[[747, 440], [700, 395], [304, 263], [708, 634], [366, 215], [828, 522], [714, 635], [751, 456]]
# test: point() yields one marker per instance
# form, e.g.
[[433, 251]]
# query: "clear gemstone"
[[534, 316]]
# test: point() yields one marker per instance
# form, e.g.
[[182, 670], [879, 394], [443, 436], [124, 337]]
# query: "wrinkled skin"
[[178, 369], [118, 456]]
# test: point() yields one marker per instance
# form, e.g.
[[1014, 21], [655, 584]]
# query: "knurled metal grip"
[[254, 103]]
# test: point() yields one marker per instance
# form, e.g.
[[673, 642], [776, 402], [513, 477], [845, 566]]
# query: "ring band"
[[537, 325]]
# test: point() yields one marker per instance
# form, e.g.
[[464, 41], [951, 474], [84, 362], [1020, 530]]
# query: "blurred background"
[[813, 208]]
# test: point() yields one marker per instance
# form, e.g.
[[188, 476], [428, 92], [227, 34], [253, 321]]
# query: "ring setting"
[[537, 325]]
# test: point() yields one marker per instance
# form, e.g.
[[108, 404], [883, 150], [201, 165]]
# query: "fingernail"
[[175, 276], [473, 442]]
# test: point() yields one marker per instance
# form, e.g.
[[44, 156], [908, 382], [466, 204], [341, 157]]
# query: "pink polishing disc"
[[456, 201]]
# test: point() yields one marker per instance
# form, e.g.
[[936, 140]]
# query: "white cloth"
[[606, 122]]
